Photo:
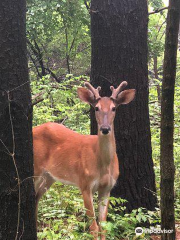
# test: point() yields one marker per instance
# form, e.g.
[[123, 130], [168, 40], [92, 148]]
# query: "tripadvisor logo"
[[138, 231]]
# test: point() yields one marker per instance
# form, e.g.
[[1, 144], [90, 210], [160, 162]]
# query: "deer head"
[[105, 107]]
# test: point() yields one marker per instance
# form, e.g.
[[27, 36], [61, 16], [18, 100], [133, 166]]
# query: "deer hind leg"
[[88, 203], [103, 203], [42, 184]]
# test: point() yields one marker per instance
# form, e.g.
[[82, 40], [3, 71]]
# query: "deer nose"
[[105, 130]]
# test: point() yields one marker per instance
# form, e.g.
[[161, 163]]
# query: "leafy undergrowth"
[[62, 216], [61, 211], [155, 111]]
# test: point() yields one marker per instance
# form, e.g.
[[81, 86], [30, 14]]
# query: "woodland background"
[[59, 34], [59, 49]]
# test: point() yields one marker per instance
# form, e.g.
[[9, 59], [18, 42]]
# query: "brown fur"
[[88, 162]]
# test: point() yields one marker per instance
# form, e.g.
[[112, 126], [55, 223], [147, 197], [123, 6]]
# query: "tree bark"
[[17, 196], [119, 53], [167, 121], [179, 38]]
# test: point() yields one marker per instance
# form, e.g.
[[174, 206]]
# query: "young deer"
[[86, 161]]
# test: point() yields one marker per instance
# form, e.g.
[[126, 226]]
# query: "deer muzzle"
[[105, 129]]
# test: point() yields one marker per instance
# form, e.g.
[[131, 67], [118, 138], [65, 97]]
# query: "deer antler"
[[95, 91], [116, 91]]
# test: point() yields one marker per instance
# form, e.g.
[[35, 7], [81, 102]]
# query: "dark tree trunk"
[[37, 59], [17, 197], [179, 38], [156, 76], [167, 120], [119, 53], [67, 52]]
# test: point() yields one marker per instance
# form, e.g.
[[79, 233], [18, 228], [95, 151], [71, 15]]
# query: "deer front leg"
[[103, 197], [88, 203]]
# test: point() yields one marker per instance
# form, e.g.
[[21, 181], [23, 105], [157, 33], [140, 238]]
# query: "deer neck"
[[107, 147]]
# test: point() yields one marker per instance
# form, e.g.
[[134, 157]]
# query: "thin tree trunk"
[[17, 196], [67, 51], [156, 76], [119, 53], [167, 121], [38, 57]]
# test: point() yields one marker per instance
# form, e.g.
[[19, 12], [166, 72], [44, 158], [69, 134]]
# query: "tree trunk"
[[167, 121], [119, 53], [179, 38], [157, 77], [17, 196]]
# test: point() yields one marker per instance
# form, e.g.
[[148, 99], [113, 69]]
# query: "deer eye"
[[113, 109], [96, 109]]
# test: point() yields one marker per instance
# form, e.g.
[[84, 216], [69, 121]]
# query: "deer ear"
[[85, 95], [125, 96]]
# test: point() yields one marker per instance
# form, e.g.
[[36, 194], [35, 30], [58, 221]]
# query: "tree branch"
[[40, 58], [37, 101], [52, 74], [37, 95], [158, 10], [34, 63], [38, 54], [37, 98]]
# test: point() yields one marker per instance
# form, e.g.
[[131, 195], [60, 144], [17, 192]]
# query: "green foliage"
[[156, 31], [155, 132], [121, 225], [156, 34], [156, 4], [61, 103], [62, 216], [60, 28]]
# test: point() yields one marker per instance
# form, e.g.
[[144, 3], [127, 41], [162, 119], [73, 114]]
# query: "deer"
[[87, 161]]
